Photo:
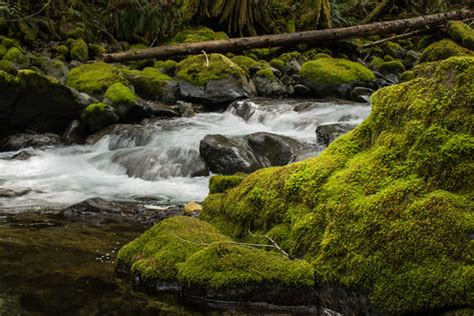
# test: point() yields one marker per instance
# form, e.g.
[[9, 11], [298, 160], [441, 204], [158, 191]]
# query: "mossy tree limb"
[[290, 39]]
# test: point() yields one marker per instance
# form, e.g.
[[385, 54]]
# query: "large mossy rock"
[[442, 50], [184, 252], [36, 102], [386, 208], [461, 33], [212, 79], [94, 79], [335, 77]]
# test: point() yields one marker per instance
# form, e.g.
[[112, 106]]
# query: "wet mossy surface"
[[221, 183], [335, 71], [386, 208], [95, 78], [118, 93], [462, 33], [200, 69], [442, 50], [194, 253], [198, 34], [79, 50]]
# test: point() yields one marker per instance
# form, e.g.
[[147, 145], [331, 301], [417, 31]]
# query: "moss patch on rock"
[[79, 50], [197, 71], [118, 93], [155, 254], [94, 79], [17, 56], [394, 66], [442, 50], [149, 83], [224, 265], [220, 183], [199, 34], [386, 208], [8, 67], [461, 33], [98, 116], [335, 71]]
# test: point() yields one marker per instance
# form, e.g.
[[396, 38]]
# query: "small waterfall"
[[160, 159]]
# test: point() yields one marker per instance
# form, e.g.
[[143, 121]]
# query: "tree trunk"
[[291, 39]]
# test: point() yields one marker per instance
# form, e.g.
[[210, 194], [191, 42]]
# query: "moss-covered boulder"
[[37, 102], [332, 76], [98, 116], [17, 56], [442, 50], [150, 83], [184, 252], [198, 34], [386, 208], [8, 67], [121, 97], [212, 79], [391, 67], [221, 183], [168, 67], [79, 50], [95, 78], [461, 33]]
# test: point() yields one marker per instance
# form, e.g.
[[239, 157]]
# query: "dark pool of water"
[[54, 267]]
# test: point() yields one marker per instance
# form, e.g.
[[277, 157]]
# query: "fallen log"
[[291, 39]]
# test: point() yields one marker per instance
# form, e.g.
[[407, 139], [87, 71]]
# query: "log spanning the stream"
[[291, 39]]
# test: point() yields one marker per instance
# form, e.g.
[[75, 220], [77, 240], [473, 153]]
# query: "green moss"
[[267, 73], [149, 83], [8, 67], [393, 49], [287, 57], [461, 33], [3, 51], [386, 208], [278, 63], [7, 80], [220, 184], [16, 56], [321, 55], [98, 116], [260, 53], [62, 52], [95, 78], [244, 62], [388, 58], [375, 62], [167, 67], [195, 69], [118, 93], [224, 265], [426, 70], [77, 32], [29, 30], [96, 50], [155, 254], [199, 34], [8, 42], [442, 50], [335, 71], [79, 50], [394, 66], [407, 76]]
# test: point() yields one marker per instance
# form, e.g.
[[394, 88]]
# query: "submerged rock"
[[385, 208], [228, 155]]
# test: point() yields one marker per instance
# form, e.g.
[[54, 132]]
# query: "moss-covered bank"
[[387, 208]]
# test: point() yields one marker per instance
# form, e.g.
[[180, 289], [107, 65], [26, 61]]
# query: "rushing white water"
[[156, 160]]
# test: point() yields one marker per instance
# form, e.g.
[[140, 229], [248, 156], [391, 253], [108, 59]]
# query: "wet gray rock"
[[217, 91], [229, 155], [98, 210], [124, 136], [360, 94], [52, 67], [35, 102], [271, 88], [25, 140], [326, 134], [74, 134], [153, 163], [98, 120]]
